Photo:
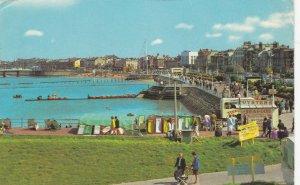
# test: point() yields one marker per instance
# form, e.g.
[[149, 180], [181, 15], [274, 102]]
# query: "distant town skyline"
[[75, 28]]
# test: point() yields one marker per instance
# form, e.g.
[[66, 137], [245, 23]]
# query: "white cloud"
[[275, 21], [184, 26], [278, 20], [33, 33], [214, 35], [252, 20], [45, 3], [234, 27], [156, 42], [233, 38], [266, 36]]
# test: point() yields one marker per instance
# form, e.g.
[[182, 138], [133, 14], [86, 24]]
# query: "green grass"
[[112, 159]]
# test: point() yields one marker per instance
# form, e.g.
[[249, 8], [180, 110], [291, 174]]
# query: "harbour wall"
[[200, 102], [196, 100]]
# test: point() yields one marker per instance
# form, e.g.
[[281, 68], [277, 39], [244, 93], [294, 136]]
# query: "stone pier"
[[199, 101]]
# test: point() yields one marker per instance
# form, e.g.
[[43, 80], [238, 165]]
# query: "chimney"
[[260, 46], [275, 44]]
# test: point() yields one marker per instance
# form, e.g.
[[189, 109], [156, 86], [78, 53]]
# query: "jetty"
[[39, 98]]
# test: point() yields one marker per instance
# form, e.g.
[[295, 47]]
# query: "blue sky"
[[89, 28]]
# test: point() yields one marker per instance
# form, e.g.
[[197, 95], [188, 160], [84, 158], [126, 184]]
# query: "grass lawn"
[[114, 159]]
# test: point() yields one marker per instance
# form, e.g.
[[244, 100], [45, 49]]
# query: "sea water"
[[95, 111]]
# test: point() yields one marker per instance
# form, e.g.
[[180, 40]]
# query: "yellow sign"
[[248, 131], [77, 63], [254, 80], [272, 91]]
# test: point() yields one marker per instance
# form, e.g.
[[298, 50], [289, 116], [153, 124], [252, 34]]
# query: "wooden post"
[[232, 161], [252, 167]]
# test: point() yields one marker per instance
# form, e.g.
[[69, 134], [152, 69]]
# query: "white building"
[[188, 57]]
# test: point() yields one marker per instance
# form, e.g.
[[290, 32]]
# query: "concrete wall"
[[200, 102]]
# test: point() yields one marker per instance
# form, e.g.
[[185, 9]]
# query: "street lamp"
[[175, 108]]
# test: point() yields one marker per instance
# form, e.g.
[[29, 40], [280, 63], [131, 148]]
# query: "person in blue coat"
[[195, 165]]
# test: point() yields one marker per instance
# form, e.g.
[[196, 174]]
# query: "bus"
[[254, 110], [287, 159], [177, 70]]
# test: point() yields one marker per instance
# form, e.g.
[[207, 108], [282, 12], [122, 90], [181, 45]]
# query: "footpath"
[[272, 172]]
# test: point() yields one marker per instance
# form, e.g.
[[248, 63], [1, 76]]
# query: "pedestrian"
[[245, 93], [229, 125], [277, 102], [264, 127], [195, 126], [281, 106], [207, 122], [117, 125], [113, 125], [238, 95], [213, 119], [180, 163], [287, 106], [283, 133], [195, 165], [280, 125], [291, 103], [269, 127]]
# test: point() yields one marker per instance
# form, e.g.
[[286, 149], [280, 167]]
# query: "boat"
[[17, 96]]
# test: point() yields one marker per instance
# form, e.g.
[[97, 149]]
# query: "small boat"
[[17, 96], [130, 114]]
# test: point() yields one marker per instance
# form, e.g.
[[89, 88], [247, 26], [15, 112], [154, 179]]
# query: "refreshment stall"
[[250, 109]]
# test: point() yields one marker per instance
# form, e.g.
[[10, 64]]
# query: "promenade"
[[272, 172]]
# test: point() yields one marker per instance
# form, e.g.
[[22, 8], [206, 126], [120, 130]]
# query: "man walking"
[[117, 125], [213, 119], [195, 165]]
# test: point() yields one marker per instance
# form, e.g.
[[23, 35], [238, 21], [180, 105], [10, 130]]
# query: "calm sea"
[[90, 111]]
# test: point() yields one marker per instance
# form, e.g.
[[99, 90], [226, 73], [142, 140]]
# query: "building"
[[264, 64], [283, 60], [189, 57], [219, 61], [203, 61], [131, 65]]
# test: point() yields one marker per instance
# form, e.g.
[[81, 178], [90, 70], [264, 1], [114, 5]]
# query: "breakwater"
[[198, 101]]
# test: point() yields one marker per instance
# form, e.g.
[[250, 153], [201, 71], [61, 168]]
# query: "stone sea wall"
[[200, 102]]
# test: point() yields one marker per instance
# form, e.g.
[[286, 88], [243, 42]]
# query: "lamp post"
[[247, 87], [175, 107], [169, 79]]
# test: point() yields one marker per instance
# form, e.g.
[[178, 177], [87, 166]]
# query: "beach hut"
[[158, 124], [184, 122], [150, 124]]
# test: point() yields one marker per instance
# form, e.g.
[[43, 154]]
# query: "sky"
[[127, 28]]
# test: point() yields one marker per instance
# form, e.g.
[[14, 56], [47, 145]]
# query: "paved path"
[[287, 119], [272, 173]]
